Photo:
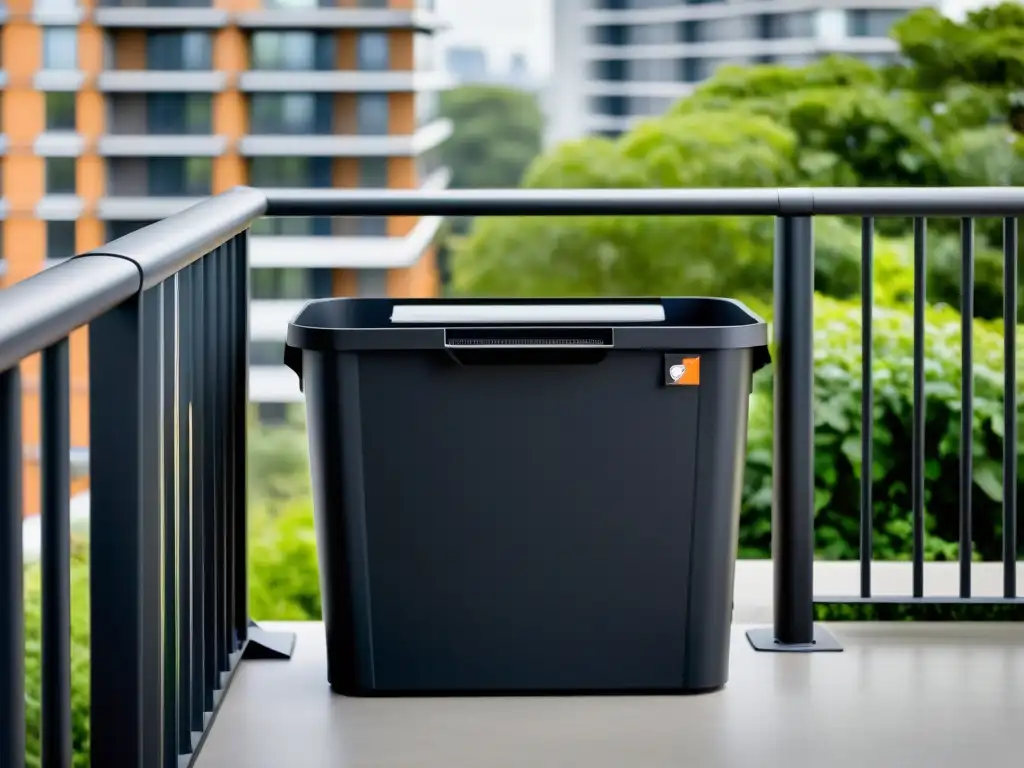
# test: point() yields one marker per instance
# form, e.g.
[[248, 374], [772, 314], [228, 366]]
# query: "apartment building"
[[116, 113], [620, 61]]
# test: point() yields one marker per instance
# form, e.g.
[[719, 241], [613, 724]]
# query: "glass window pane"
[[60, 239], [60, 48], [60, 111], [373, 172], [372, 113], [179, 176], [373, 51], [60, 175], [174, 51], [266, 352]]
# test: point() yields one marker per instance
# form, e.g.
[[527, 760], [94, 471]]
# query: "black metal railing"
[[167, 309]]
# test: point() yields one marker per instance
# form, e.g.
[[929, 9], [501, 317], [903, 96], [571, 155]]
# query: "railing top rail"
[[46, 307], [43, 309], [843, 201], [168, 246]]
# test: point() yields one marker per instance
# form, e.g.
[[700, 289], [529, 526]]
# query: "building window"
[[179, 176], [178, 51], [291, 284], [373, 51], [292, 51], [60, 175], [266, 353], [291, 172], [372, 114], [60, 240], [172, 114], [373, 172], [116, 229], [60, 111], [291, 113], [60, 48], [873, 22]]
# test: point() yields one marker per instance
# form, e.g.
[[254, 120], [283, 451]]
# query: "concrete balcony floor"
[[899, 695]]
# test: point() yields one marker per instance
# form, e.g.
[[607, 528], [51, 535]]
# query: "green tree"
[[497, 132], [836, 122]]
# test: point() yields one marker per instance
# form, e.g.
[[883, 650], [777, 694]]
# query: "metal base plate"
[[268, 645], [763, 639]]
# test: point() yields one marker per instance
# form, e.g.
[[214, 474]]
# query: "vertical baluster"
[[183, 477], [12, 594], [117, 510], [966, 402], [56, 557], [231, 384], [867, 405], [1010, 407], [209, 471], [240, 437], [153, 524], [223, 488], [918, 432], [197, 431], [169, 420]]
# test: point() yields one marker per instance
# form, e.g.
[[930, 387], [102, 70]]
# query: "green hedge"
[[837, 383]]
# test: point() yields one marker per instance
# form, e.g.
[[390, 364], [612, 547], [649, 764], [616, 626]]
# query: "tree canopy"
[[946, 116], [497, 132]]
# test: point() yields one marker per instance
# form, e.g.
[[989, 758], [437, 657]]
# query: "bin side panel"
[[721, 457], [528, 526], [336, 468]]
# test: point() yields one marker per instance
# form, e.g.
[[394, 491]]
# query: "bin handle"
[[293, 360]]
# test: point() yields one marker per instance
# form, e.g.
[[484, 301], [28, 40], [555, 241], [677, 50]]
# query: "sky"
[[505, 27]]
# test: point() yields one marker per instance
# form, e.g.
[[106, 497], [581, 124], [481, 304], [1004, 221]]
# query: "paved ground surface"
[[900, 695]]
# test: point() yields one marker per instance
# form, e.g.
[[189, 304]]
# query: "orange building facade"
[[117, 114]]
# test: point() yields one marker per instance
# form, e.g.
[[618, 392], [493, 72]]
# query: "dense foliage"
[[837, 122]]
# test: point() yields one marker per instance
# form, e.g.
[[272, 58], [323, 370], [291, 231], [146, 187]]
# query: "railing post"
[[793, 461], [12, 600]]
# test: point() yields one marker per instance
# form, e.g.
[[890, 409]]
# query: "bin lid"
[[666, 324]]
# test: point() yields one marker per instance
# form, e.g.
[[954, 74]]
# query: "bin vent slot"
[[529, 337], [555, 314]]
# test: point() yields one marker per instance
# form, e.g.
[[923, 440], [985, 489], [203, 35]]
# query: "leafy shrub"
[[284, 583], [838, 432], [79, 658]]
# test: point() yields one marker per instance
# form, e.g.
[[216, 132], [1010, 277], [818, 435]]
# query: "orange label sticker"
[[682, 371]]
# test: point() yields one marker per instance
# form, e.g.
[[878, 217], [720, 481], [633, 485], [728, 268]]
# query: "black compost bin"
[[526, 496]]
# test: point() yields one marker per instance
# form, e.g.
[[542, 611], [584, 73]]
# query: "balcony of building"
[[181, 676]]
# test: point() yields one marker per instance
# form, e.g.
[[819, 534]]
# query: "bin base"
[[372, 693], [763, 639], [268, 645]]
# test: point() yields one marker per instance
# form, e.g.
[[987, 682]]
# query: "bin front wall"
[[526, 527]]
